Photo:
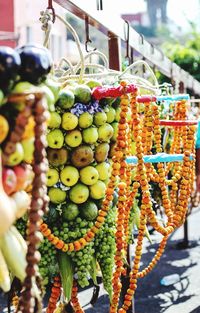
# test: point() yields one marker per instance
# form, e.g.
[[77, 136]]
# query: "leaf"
[[66, 272], [93, 270]]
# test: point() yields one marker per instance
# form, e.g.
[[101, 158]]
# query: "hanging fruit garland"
[[90, 135]]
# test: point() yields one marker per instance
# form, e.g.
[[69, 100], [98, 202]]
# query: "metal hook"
[[162, 53], [50, 7], [87, 39], [126, 35], [141, 39], [132, 55], [152, 48], [99, 5]]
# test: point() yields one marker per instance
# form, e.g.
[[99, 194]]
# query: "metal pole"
[[114, 46]]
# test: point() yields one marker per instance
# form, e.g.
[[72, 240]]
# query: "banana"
[[5, 282], [20, 239], [14, 254]]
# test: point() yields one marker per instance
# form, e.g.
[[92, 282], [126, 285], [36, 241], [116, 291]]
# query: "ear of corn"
[[66, 271], [4, 274], [14, 254]]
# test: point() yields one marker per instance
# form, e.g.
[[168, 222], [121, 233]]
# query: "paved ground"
[[151, 296]]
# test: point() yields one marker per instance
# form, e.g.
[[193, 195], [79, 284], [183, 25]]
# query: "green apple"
[[56, 195], [53, 86], [105, 132], [55, 139], [69, 211], [69, 121], [103, 170], [52, 177], [82, 93], [110, 114], [69, 176], [22, 87], [90, 135], [89, 175], [66, 99], [115, 130], [85, 120], [101, 152], [100, 118], [93, 83], [73, 138], [79, 193], [57, 157], [17, 156], [98, 190], [117, 116], [28, 147], [55, 120]]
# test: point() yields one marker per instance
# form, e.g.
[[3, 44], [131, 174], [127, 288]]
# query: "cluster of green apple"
[[81, 138], [79, 143]]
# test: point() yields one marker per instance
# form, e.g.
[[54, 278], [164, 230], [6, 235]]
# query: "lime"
[[82, 93], [89, 210], [65, 99], [69, 211]]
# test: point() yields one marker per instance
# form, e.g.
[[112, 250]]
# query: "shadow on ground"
[[151, 296]]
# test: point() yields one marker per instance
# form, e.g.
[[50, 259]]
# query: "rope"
[[46, 19], [71, 73], [141, 62]]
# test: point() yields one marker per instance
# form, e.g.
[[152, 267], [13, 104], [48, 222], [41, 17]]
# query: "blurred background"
[[172, 25]]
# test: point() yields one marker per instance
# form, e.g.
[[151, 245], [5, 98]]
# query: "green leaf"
[[93, 270], [66, 272]]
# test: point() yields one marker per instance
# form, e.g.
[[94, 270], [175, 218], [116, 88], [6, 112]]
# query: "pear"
[[57, 157], [101, 152], [82, 156]]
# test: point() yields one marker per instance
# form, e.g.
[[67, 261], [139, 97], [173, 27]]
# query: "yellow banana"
[[14, 254], [20, 239], [4, 274]]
